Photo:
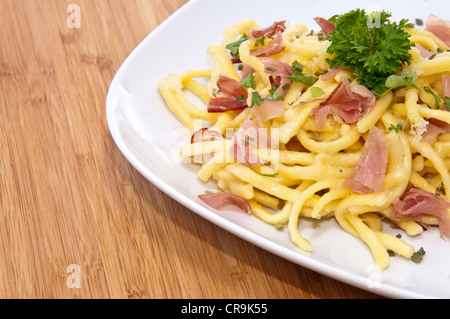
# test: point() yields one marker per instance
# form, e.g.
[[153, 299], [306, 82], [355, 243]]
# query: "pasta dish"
[[350, 121]]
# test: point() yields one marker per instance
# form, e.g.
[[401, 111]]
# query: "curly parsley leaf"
[[370, 45]]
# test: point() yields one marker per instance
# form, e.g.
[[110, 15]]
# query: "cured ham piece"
[[246, 70], [424, 52], [273, 47], [332, 73], [351, 103], [416, 203], [439, 27], [231, 96], [276, 67], [326, 25], [270, 31], [269, 109], [204, 135], [368, 174], [216, 200], [224, 104], [230, 86], [434, 129], [249, 135], [279, 72], [273, 32], [446, 84]]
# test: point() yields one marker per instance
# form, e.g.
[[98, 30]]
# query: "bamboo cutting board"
[[76, 220]]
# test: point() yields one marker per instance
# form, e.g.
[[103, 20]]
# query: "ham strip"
[[326, 25], [332, 73], [270, 31], [446, 84], [273, 32], [424, 52], [231, 86], [351, 103], [204, 135], [368, 174], [416, 203], [272, 48], [276, 67], [279, 72], [232, 96], [269, 109], [434, 129], [216, 200], [249, 135], [439, 27]]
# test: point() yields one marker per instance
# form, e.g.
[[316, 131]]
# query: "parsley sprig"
[[234, 46], [370, 45]]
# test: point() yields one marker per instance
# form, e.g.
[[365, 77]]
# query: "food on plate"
[[348, 121]]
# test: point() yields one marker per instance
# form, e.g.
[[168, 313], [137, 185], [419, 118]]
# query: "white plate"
[[148, 136]]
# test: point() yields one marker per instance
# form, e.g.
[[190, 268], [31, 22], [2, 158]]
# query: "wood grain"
[[69, 197]]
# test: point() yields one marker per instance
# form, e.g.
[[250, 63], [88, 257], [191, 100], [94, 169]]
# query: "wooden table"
[[77, 220]]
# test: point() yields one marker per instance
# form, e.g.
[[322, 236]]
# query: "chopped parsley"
[[299, 76], [279, 227], [241, 98], [249, 81], [447, 102], [440, 190], [273, 95], [417, 257], [397, 128], [371, 46], [437, 98], [268, 175], [256, 99], [260, 41], [317, 91], [234, 46]]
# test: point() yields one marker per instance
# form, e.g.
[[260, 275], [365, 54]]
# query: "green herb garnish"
[[241, 98], [256, 99], [299, 76], [400, 81], [317, 91], [279, 227], [371, 46], [397, 128], [273, 95], [417, 257], [437, 98], [447, 102], [234, 46], [268, 175], [260, 41], [249, 81]]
